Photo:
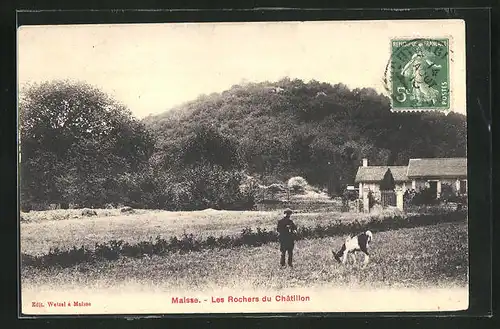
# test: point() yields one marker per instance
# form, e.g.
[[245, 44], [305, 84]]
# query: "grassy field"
[[421, 269], [66, 228], [418, 257]]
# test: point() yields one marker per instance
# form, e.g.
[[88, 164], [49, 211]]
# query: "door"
[[463, 187], [433, 187]]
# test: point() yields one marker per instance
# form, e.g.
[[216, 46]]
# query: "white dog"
[[351, 245]]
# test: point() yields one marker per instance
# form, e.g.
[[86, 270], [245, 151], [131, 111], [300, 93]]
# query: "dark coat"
[[286, 229]]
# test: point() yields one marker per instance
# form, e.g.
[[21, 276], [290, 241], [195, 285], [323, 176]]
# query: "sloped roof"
[[437, 167], [376, 173], [399, 173]]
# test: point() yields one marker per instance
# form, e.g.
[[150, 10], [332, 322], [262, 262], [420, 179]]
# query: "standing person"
[[286, 230]]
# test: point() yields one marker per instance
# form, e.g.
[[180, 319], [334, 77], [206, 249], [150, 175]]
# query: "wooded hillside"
[[314, 130], [81, 147]]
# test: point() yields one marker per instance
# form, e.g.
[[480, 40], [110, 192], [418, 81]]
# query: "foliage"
[[408, 197], [350, 198], [79, 146], [276, 188], [76, 143], [211, 187], [250, 186], [387, 183], [426, 258], [209, 147], [447, 191], [268, 193], [448, 194], [314, 130], [426, 196], [371, 200], [248, 237], [297, 184]]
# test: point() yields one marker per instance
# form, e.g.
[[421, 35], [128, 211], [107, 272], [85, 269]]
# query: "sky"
[[153, 67]]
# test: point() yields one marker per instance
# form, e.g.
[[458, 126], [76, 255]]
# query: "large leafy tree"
[[76, 143]]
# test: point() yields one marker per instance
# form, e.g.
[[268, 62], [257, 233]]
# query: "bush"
[[212, 187], [408, 197], [273, 189], [425, 196], [449, 195], [248, 237], [196, 187], [350, 195], [460, 199], [249, 186], [371, 200], [434, 209], [297, 184], [89, 212]]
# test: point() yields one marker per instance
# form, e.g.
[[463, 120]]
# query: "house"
[[419, 174], [435, 172], [371, 177]]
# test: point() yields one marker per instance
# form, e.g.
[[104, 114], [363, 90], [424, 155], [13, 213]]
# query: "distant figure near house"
[[286, 230]]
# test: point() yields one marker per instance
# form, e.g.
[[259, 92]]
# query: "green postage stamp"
[[419, 75]]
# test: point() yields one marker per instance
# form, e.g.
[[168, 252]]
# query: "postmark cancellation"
[[419, 75]]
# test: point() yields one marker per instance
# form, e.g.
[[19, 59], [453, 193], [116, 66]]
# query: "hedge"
[[114, 249]]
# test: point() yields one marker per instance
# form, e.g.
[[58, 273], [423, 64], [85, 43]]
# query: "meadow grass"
[[42, 232], [434, 256]]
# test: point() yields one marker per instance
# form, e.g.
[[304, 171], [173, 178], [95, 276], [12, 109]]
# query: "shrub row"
[[248, 237]]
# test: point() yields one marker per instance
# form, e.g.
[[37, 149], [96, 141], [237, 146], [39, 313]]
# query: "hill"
[[316, 130]]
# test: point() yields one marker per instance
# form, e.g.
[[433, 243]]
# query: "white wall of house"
[[403, 186], [455, 183], [375, 188], [419, 184], [452, 183]]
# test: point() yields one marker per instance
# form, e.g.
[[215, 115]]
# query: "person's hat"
[[288, 211]]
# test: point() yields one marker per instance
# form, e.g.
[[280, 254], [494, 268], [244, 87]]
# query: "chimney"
[[365, 162]]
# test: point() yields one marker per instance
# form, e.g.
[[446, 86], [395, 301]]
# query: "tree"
[[387, 183], [76, 141], [314, 130], [208, 146]]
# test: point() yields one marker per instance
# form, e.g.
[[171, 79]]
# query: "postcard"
[[244, 167]]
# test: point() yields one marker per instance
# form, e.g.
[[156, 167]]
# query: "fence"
[[388, 198]]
